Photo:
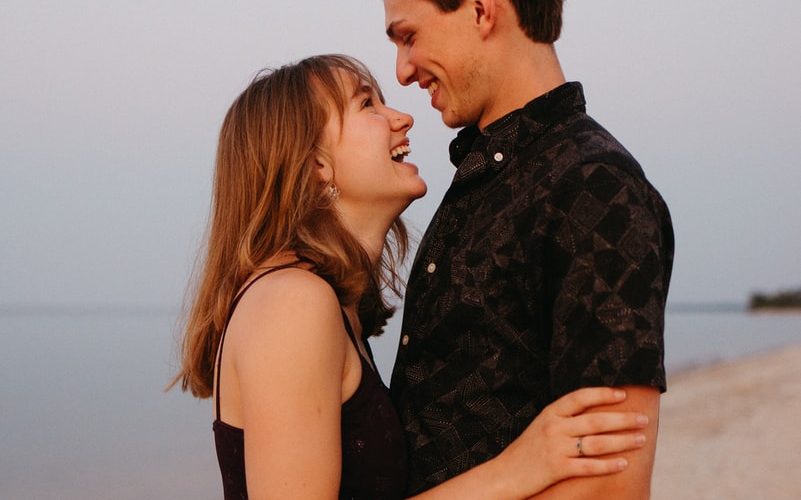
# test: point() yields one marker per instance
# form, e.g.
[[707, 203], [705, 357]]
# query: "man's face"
[[439, 50]]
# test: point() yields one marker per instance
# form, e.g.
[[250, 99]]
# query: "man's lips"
[[432, 87]]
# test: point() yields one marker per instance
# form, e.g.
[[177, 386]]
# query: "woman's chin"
[[419, 191]]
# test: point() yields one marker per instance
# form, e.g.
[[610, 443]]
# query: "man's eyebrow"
[[391, 30]]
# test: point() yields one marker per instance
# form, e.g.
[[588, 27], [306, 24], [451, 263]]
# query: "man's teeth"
[[398, 153], [432, 87]]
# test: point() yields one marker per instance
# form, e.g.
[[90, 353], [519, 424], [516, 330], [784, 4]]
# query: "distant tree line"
[[785, 299]]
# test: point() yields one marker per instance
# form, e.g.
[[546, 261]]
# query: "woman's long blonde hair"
[[268, 199]]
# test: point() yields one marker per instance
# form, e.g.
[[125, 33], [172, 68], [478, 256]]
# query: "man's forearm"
[[635, 482]]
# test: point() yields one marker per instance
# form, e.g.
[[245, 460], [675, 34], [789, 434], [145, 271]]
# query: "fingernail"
[[639, 439], [620, 394], [622, 464], [642, 420]]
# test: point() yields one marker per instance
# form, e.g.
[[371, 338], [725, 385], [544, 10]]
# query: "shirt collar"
[[474, 150]]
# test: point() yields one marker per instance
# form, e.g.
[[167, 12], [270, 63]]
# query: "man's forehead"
[[390, 8], [397, 12], [402, 7]]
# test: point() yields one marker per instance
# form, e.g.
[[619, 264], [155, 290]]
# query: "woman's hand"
[[563, 442]]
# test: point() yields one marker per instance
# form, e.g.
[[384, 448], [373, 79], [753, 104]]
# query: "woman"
[[310, 180]]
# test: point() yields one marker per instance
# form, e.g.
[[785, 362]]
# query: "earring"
[[333, 192]]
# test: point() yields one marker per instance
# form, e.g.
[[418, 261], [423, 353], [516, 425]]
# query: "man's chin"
[[453, 120]]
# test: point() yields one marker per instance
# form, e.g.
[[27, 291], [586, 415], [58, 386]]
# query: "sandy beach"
[[732, 431]]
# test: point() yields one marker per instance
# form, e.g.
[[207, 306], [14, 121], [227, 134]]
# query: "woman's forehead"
[[355, 83]]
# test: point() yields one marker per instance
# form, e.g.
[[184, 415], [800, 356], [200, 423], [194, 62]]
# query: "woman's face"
[[368, 153]]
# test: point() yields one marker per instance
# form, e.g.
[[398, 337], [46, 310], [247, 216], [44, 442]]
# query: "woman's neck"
[[372, 242], [369, 229]]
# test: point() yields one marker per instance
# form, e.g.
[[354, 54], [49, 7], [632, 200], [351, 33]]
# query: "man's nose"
[[404, 69]]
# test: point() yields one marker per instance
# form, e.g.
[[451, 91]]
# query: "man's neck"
[[523, 75]]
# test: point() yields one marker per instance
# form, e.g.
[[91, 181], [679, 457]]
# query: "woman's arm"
[[547, 452], [289, 361]]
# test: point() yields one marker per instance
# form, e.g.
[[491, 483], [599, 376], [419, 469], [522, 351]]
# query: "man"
[[545, 268]]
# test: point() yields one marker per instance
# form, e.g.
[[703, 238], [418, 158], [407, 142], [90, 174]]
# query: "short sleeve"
[[609, 263]]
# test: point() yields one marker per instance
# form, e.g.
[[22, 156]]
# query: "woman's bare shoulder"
[[289, 302], [289, 283]]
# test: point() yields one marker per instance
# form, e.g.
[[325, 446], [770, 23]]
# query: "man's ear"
[[486, 15]]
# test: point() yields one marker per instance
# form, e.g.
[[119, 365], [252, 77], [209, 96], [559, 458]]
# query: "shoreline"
[[774, 310], [731, 430], [677, 372]]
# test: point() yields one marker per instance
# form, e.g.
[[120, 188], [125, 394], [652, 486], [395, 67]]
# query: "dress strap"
[[236, 300], [349, 329], [369, 361]]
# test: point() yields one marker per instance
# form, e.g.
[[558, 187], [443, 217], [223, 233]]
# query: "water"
[[84, 415], [694, 338]]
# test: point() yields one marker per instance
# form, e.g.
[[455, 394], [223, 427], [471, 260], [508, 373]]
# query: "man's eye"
[[407, 39]]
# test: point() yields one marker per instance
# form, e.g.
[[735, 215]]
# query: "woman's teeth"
[[400, 152], [432, 87]]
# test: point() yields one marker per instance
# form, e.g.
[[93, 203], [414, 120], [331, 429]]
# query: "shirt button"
[[405, 340], [498, 156], [431, 267]]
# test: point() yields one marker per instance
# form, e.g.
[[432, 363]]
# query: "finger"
[[599, 423], [582, 399], [580, 467], [593, 446]]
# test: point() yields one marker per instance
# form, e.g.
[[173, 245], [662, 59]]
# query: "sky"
[[109, 114]]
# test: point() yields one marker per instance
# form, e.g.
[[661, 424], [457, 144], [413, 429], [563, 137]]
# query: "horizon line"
[[95, 308], [85, 309]]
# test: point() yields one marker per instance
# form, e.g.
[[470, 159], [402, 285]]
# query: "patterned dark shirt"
[[545, 269]]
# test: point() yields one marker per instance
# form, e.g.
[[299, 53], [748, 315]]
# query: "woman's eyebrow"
[[363, 89]]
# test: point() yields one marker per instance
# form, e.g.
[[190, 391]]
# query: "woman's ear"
[[325, 169]]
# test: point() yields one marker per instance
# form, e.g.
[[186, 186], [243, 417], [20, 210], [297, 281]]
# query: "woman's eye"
[[407, 39], [367, 103]]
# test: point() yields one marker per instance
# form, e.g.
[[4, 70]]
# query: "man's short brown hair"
[[541, 20]]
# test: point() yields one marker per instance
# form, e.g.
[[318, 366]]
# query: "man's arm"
[[634, 483], [611, 264], [545, 453]]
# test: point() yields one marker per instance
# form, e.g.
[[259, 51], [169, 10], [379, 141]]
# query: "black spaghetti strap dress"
[[373, 447]]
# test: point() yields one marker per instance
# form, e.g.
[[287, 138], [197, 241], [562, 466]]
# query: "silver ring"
[[578, 446]]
